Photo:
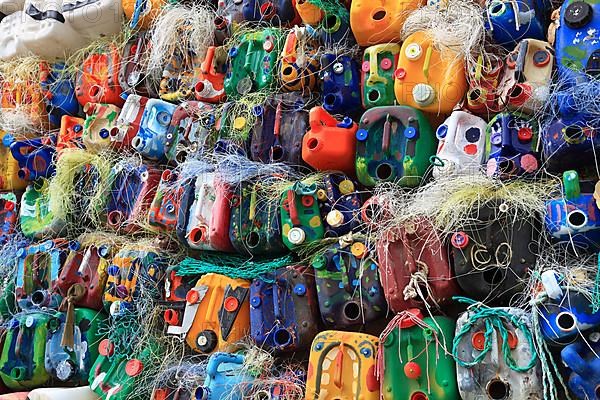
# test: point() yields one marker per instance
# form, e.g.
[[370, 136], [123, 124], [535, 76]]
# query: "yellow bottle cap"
[[346, 186], [358, 249], [239, 123]]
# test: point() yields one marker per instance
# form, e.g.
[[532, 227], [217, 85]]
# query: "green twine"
[[233, 266], [596, 293], [332, 7], [494, 320]]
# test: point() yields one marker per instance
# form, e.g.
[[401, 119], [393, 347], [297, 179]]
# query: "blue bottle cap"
[[7, 139], [361, 135], [441, 131], [300, 289], [103, 133], [346, 123], [410, 132], [255, 301]]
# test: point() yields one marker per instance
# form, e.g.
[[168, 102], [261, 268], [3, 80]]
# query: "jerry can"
[[284, 311], [340, 205], [176, 290], [101, 119], [83, 277], [525, 84], [35, 156], [393, 144], [280, 12], [415, 268], [412, 358], [216, 315], [484, 79], [301, 222], [167, 202], [309, 12], [9, 166], [23, 353], [255, 225], [209, 85], [574, 217], [461, 146], [8, 215], [493, 257], [133, 78], [190, 130], [281, 122], [341, 83], [38, 267], [76, 393], [348, 286], [299, 68], [35, 218], [507, 22], [375, 22], [107, 20], [98, 80], [429, 79], [568, 146], [342, 366], [179, 76], [226, 378], [70, 134], [334, 29], [24, 98], [128, 121], [132, 189], [253, 62], [141, 13], [229, 16], [487, 357], [152, 134], [205, 213], [581, 359], [377, 77], [132, 271], [115, 376], [330, 144], [72, 345], [59, 93], [512, 145]]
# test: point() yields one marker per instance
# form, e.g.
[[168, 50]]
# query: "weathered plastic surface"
[[284, 311], [71, 362], [342, 366], [339, 205], [128, 121], [179, 77], [209, 85], [113, 377], [508, 22], [189, 132], [35, 219], [78, 393], [569, 146], [299, 68], [217, 314], [427, 78], [83, 275], [226, 378], [461, 147], [132, 189], [310, 13], [253, 63], [229, 16], [375, 22], [22, 359], [35, 157], [377, 77], [8, 215], [38, 266], [107, 20], [278, 12], [255, 225], [25, 97], [59, 93], [167, 202], [151, 137], [141, 14], [132, 76], [574, 218], [301, 221], [348, 286], [525, 85], [394, 144], [100, 120], [492, 377], [132, 270], [176, 290], [511, 148], [281, 123], [334, 30], [70, 134], [9, 167], [581, 358], [341, 88], [98, 81], [8, 7], [415, 364], [493, 257], [205, 213], [483, 94], [330, 144], [415, 268]]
